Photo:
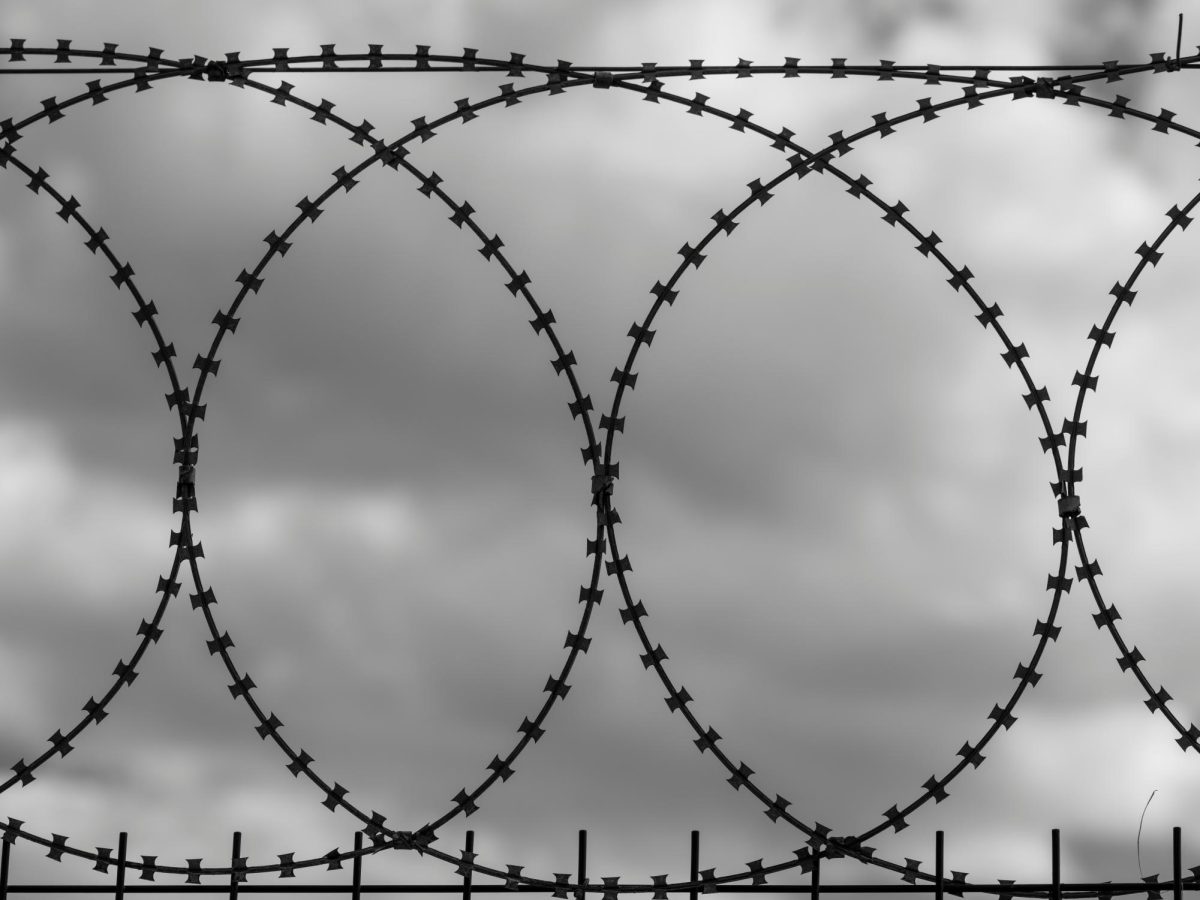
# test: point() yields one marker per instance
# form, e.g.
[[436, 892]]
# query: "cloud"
[[832, 496]]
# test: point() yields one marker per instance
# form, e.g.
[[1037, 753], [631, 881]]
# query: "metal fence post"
[[468, 848], [1055, 868], [581, 893], [1177, 861], [122, 847], [694, 894], [233, 879], [356, 868]]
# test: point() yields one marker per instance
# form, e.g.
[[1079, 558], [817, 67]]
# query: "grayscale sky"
[[833, 496]]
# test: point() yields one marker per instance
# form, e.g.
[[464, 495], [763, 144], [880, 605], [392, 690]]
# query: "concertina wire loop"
[[604, 471]]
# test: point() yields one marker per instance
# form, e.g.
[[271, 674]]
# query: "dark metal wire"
[[605, 470], [1005, 889]]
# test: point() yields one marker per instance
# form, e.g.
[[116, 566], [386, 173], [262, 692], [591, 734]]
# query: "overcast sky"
[[833, 495]]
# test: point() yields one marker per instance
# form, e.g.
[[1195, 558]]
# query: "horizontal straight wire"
[[503, 67]]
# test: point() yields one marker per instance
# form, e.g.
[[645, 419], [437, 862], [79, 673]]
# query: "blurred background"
[[834, 499]]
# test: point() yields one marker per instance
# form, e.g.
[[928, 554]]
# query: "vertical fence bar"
[[1177, 861], [4, 851], [581, 893], [468, 849], [939, 862], [1055, 869], [122, 847], [237, 868], [356, 869], [693, 894], [237, 851]]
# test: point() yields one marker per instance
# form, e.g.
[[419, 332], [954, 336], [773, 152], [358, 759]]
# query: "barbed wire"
[[978, 88]]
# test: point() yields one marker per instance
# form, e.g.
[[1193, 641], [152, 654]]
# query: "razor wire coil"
[[152, 68]]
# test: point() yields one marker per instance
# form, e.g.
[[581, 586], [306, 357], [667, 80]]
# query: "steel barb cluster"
[[120, 70]]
